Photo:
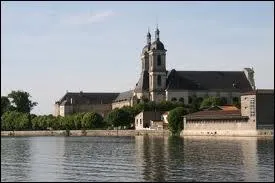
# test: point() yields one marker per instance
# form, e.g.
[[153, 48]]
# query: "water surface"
[[139, 158]]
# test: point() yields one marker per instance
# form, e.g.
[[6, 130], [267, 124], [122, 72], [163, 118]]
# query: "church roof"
[[208, 80], [124, 96], [143, 82], [87, 98]]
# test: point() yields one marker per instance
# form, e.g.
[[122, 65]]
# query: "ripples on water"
[[139, 158]]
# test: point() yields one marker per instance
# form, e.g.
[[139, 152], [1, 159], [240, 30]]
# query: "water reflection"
[[140, 158], [47, 157], [208, 158]]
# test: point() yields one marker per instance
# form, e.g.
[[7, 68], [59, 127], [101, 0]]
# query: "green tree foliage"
[[194, 104], [21, 101], [92, 120], [175, 120], [119, 118], [210, 101], [13, 120], [5, 104]]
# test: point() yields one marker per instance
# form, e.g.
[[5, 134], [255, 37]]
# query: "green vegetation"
[[210, 101], [16, 108], [175, 124]]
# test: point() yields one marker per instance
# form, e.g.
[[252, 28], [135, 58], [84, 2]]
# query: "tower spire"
[[148, 37]]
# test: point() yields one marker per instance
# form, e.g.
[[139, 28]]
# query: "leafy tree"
[[119, 117], [5, 104], [210, 101], [77, 120], [21, 101], [92, 120], [194, 103], [13, 120], [175, 120]]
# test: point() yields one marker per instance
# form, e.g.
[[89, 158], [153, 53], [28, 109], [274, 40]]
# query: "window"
[[181, 99], [252, 107], [159, 80], [159, 60], [140, 122]]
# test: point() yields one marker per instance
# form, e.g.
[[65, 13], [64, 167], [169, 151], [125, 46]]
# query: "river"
[[137, 158]]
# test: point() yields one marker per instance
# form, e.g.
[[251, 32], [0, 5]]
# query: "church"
[[158, 84]]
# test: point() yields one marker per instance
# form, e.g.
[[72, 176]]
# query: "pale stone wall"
[[139, 121], [225, 127], [178, 94], [247, 109], [101, 109], [56, 110], [121, 104]]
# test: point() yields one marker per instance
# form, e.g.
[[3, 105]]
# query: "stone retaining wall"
[[86, 133], [136, 133]]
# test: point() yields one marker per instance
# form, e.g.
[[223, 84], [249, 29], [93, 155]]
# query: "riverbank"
[[261, 133]]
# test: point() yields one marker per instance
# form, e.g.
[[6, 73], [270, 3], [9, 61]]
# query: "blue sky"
[[50, 47]]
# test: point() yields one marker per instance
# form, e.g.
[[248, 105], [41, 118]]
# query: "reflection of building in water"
[[47, 151], [152, 156], [197, 158], [257, 112]]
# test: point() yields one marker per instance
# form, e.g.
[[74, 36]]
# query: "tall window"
[[159, 60], [159, 80], [252, 107]]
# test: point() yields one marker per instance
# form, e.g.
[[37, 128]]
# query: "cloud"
[[87, 18]]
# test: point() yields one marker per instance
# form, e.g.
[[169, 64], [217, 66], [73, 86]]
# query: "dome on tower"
[[157, 45]]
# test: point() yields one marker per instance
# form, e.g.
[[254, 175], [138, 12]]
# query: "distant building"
[[260, 103], [142, 120], [84, 102], [158, 84], [257, 112]]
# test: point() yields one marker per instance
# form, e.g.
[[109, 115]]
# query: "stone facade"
[[257, 112]]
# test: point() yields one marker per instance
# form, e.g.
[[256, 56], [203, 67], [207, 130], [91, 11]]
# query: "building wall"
[[121, 104], [248, 108], [139, 121], [265, 110], [101, 109], [219, 127], [56, 110], [188, 93]]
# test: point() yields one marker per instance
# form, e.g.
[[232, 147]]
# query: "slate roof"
[[259, 91], [208, 80], [87, 98], [143, 82], [215, 115], [124, 96]]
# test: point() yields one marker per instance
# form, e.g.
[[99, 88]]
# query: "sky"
[[48, 48]]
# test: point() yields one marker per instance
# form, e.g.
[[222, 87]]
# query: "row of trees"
[[16, 107]]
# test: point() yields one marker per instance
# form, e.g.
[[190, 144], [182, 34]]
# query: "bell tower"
[[157, 69]]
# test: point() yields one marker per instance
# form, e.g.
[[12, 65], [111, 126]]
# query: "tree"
[[13, 120], [92, 120], [119, 117], [77, 120], [5, 104], [175, 120], [210, 101], [21, 101]]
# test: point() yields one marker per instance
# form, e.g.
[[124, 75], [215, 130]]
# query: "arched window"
[[159, 80], [159, 60]]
